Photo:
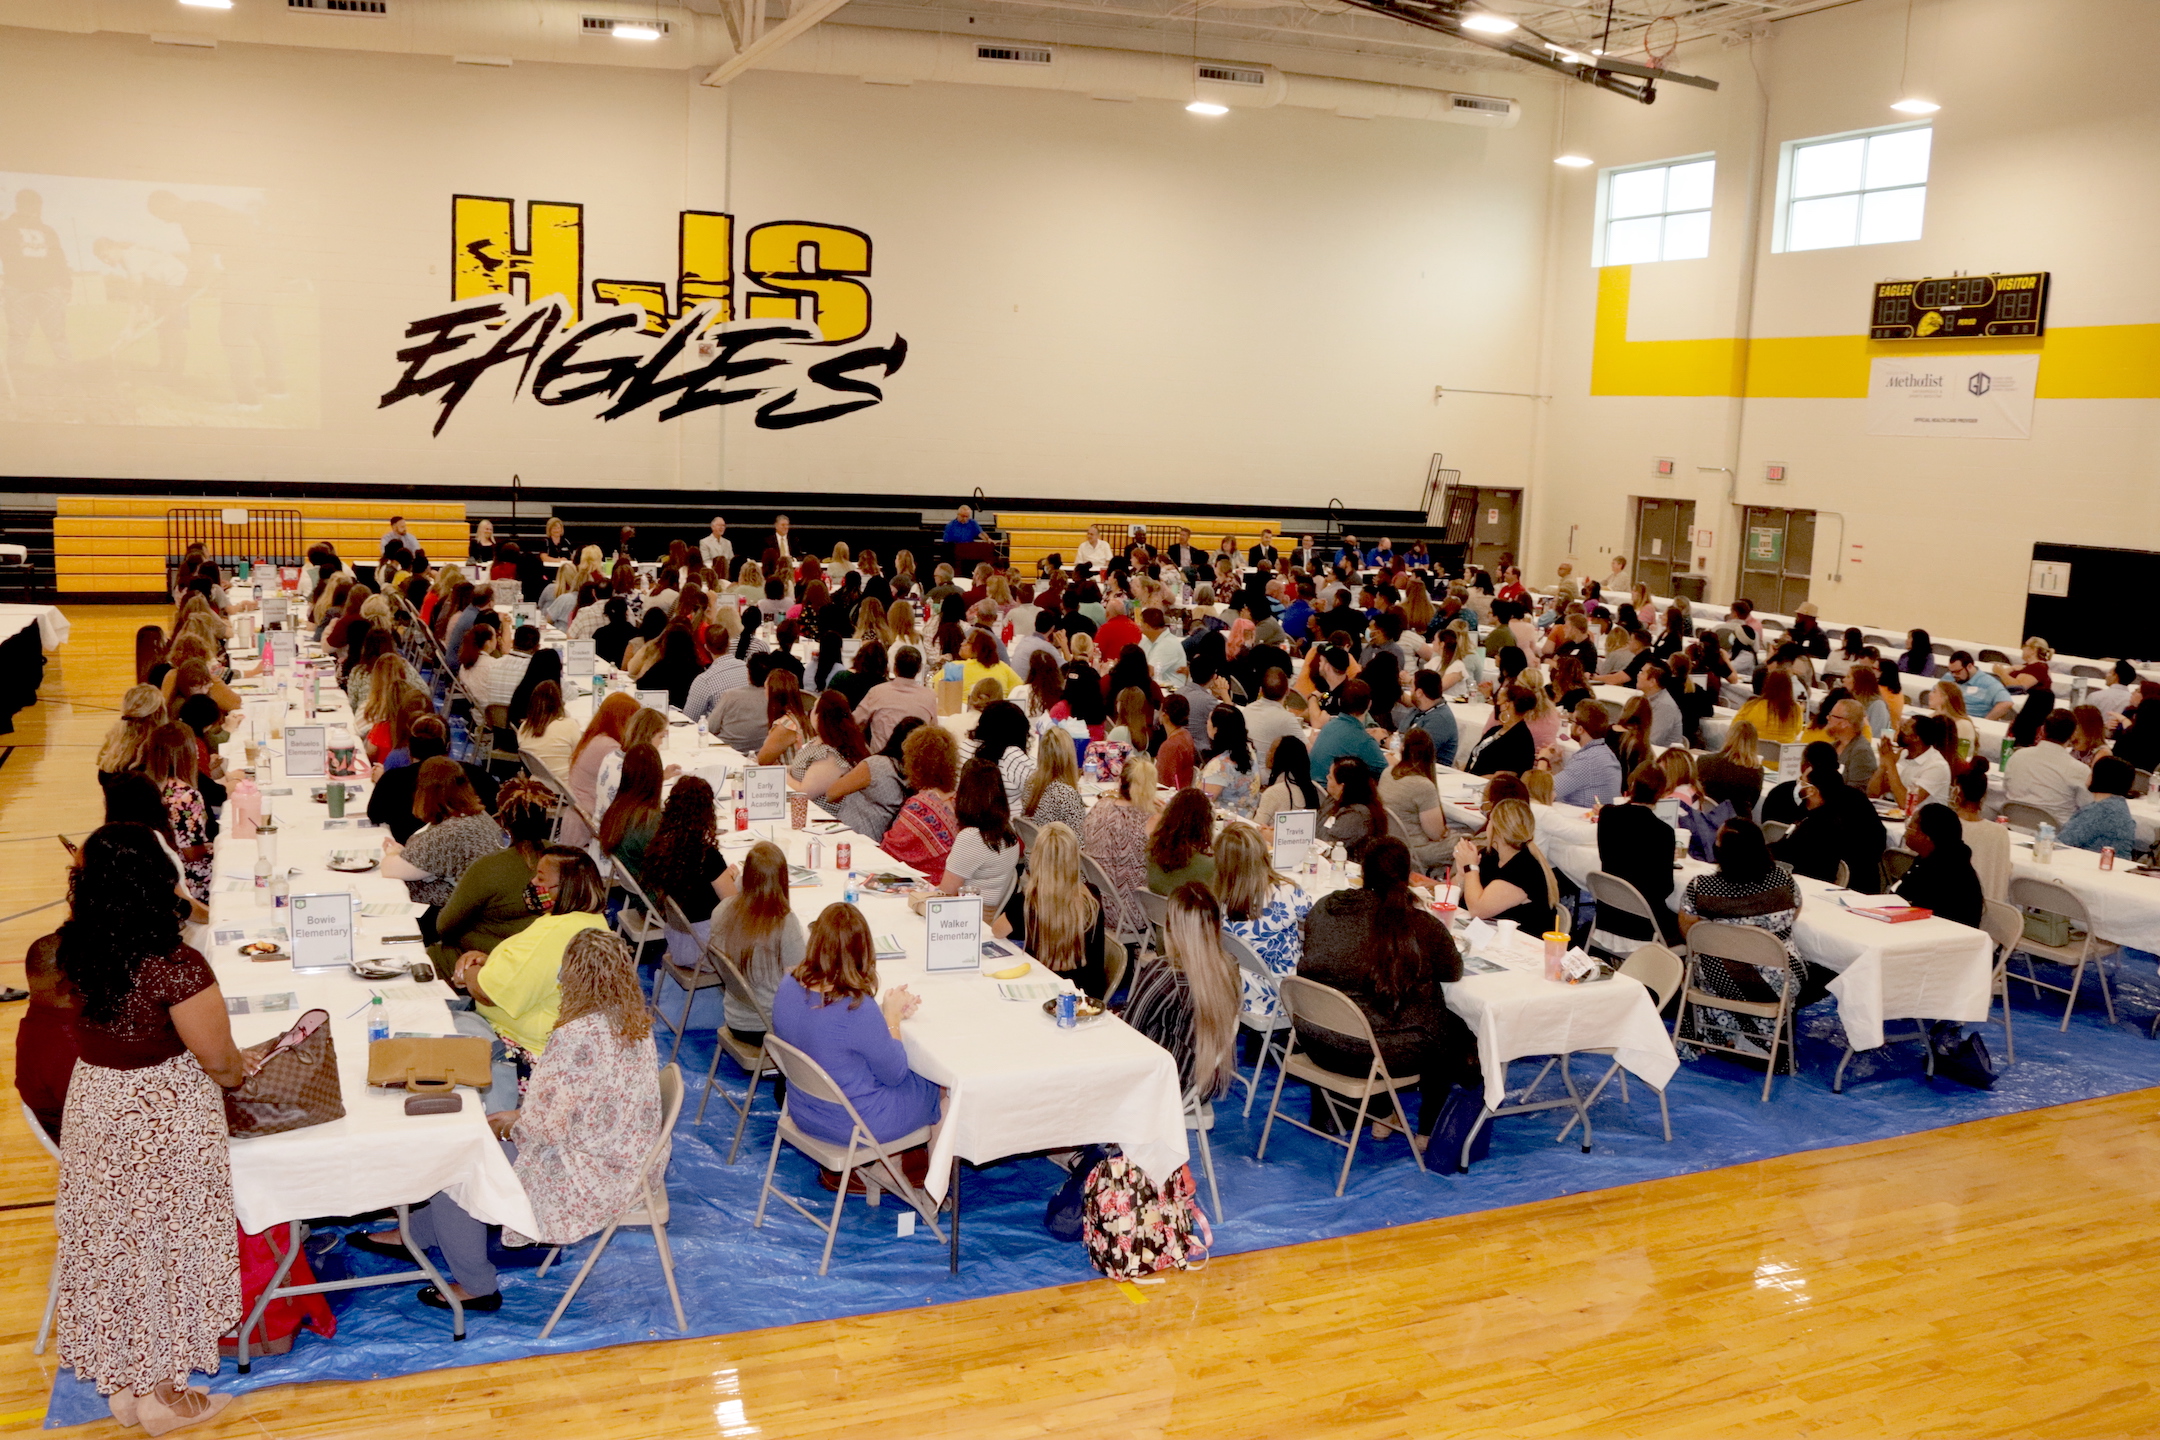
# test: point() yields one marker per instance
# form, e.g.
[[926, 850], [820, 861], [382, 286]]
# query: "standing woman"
[[169, 760], [149, 1263]]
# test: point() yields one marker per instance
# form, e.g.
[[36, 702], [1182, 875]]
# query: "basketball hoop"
[[1660, 38]]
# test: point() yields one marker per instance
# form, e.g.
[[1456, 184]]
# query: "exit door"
[[1664, 549], [1488, 523], [1777, 557]]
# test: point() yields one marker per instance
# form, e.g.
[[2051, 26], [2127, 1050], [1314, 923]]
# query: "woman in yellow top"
[[1775, 714], [515, 988], [982, 664]]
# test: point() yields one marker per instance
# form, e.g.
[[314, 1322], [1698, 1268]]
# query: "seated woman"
[[454, 833], [1263, 908], [837, 748], [1509, 745], [1747, 888], [683, 863], [514, 989], [1057, 914], [1734, 775], [1230, 776], [1352, 815], [1053, 791], [921, 835], [867, 798], [1180, 850], [2105, 823], [1289, 782], [1116, 838], [1942, 879], [1508, 879], [579, 1140], [985, 855], [758, 930], [1390, 955], [819, 1010], [1185, 999], [1636, 845], [493, 899], [631, 821], [1774, 712]]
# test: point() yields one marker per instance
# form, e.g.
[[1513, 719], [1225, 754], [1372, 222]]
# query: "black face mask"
[[536, 899]]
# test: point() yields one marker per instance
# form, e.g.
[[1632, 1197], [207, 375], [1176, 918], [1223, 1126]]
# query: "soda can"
[[813, 852], [742, 817], [1068, 1015], [2107, 857], [842, 858]]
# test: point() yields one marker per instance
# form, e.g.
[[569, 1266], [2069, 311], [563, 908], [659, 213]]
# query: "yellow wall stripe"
[[2078, 362]]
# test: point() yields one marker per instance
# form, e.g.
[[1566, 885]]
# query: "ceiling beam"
[[805, 14]]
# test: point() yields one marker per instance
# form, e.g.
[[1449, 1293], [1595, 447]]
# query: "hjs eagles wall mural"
[[805, 298]]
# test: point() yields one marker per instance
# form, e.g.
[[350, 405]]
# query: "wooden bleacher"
[[115, 544], [1034, 534]]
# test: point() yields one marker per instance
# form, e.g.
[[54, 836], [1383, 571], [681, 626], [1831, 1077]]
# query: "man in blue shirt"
[[400, 536], [1986, 698], [1591, 775], [1298, 612], [1428, 712], [1382, 554], [962, 529], [1346, 734]]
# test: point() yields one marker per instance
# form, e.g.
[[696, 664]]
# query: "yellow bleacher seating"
[[116, 543], [1034, 534]]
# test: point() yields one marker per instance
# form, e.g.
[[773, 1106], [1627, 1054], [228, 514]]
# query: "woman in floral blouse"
[[922, 834], [1264, 909], [1116, 836], [590, 1115], [1748, 887], [169, 759]]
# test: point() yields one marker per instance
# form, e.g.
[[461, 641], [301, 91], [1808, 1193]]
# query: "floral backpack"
[[1133, 1229]]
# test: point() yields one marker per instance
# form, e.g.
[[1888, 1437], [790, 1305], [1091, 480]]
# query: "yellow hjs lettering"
[[804, 267], [485, 259], [704, 273]]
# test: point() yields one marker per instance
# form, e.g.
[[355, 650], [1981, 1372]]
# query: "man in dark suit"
[[1307, 555], [1183, 555], [1263, 550]]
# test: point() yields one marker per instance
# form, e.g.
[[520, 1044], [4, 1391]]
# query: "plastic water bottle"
[[378, 1020], [262, 878], [853, 893], [2044, 845], [1092, 770]]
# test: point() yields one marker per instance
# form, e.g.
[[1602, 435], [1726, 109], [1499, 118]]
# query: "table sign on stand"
[[765, 792], [307, 752], [953, 941], [1294, 832], [322, 932]]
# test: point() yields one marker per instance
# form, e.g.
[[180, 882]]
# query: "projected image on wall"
[[135, 302]]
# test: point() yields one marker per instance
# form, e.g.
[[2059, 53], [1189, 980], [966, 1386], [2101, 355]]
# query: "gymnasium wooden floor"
[[2000, 1279]]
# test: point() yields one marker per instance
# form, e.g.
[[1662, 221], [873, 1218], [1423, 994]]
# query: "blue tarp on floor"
[[734, 1277]]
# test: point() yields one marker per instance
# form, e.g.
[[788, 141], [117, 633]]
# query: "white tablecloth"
[[377, 1155], [1514, 1015], [2124, 906], [52, 626]]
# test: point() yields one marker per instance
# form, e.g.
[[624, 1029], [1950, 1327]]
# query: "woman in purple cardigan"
[[820, 1009]]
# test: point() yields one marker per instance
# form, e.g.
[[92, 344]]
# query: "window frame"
[[1788, 152], [1604, 205]]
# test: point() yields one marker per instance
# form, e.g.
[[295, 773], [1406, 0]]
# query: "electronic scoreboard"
[[1962, 307]]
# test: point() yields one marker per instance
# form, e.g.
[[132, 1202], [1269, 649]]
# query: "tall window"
[[1658, 212], [1867, 189]]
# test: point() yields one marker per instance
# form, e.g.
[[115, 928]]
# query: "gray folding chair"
[[52, 1288], [1027, 830], [1741, 945], [1843, 878], [651, 1208], [2005, 925], [1330, 1009], [2052, 897], [1157, 909], [1200, 1119], [1774, 831], [1612, 892], [643, 927], [1269, 1027], [1092, 870], [684, 961], [751, 1059], [2029, 818], [1662, 973], [879, 1161]]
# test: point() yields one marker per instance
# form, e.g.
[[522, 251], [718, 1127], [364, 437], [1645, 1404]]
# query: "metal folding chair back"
[[2005, 925], [2052, 897], [752, 1059], [651, 1209], [1329, 1009], [1742, 945], [1157, 909], [879, 1161], [1611, 891], [1270, 1027], [1092, 870], [1027, 830], [2020, 816]]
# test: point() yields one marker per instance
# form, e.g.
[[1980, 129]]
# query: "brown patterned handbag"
[[296, 1087]]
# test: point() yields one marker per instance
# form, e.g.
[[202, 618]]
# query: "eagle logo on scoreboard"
[[802, 292]]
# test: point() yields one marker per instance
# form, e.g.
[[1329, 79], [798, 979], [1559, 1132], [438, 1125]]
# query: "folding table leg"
[[269, 1292], [442, 1286], [953, 1189]]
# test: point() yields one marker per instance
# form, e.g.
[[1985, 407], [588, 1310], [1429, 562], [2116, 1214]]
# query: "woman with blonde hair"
[[1057, 914], [1948, 701], [142, 711], [871, 624], [1677, 764], [1262, 907], [1116, 838], [1734, 775], [194, 604], [1508, 877], [757, 929], [749, 582], [901, 620], [2031, 671], [789, 724], [1053, 791], [1186, 998]]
